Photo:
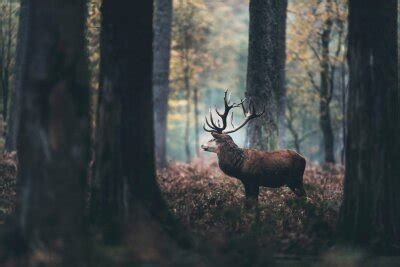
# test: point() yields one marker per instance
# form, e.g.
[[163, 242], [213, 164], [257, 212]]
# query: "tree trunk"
[[196, 120], [370, 213], [292, 128], [7, 66], [344, 102], [187, 88], [162, 45], [54, 133], [5, 93], [266, 70], [326, 91], [20, 64], [124, 169]]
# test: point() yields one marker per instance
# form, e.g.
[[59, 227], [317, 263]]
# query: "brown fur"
[[261, 168]]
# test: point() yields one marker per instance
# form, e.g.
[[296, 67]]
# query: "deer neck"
[[230, 158]]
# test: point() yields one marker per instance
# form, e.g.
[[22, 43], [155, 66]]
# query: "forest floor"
[[283, 230], [212, 206]]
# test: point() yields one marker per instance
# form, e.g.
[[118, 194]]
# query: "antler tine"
[[226, 101], [251, 107], [219, 114], [213, 123], [240, 103], [228, 107], [213, 126], [243, 108], [232, 120], [207, 130], [208, 124]]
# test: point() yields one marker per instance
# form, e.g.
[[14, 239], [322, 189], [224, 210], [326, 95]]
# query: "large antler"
[[216, 126], [249, 115]]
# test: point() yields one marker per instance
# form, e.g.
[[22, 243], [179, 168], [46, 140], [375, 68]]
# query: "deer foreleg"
[[251, 190]]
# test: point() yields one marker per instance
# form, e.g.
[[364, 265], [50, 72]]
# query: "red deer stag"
[[253, 167]]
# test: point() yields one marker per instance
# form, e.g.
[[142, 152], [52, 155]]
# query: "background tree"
[[93, 24], [7, 51], [266, 70], [161, 48], [189, 62], [54, 134], [219, 63], [316, 67], [370, 213], [13, 39]]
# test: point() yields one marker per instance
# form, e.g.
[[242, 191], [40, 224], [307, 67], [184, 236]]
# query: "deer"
[[254, 168]]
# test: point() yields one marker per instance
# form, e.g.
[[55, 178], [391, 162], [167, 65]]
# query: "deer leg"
[[301, 192], [298, 190], [252, 191]]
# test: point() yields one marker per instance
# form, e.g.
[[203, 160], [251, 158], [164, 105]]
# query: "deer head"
[[217, 127]]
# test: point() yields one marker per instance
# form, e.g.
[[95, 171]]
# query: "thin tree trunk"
[[54, 136], [291, 128], [326, 89], [162, 45], [296, 140], [187, 114], [15, 110], [344, 101], [266, 70], [196, 120], [6, 86], [370, 213]]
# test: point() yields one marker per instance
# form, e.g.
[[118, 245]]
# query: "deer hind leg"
[[298, 190], [252, 191]]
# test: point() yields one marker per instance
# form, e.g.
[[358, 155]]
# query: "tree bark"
[[326, 89], [53, 140], [370, 213], [7, 66], [196, 120], [162, 45], [124, 168], [15, 110], [266, 71], [188, 89]]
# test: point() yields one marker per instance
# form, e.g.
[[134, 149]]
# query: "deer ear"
[[215, 135]]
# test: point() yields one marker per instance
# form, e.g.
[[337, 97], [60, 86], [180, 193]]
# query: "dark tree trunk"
[[162, 45], [124, 168], [344, 107], [7, 65], [54, 130], [326, 90], [266, 71], [5, 94], [15, 109], [370, 213]]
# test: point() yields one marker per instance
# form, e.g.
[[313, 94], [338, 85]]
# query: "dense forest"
[[199, 133]]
